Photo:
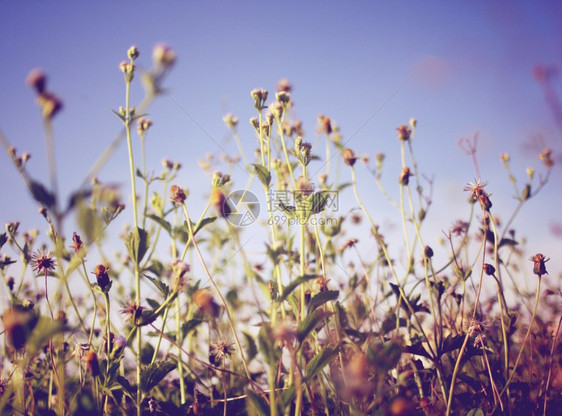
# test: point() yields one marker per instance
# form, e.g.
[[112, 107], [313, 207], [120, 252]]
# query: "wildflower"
[[260, 97], [304, 186], [428, 252], [284, 85], [477, 193], [102, 277], [530, 173], [18, 325], [546, 157], [218, 200], [76, 242], [92, 363], [539, 260], [37, 80], [459, 228], [404, 133], [404, 177], [276, 109], [413, 122], [349, 157], [221, 349], [143, 124], [322, 283], [325, 124], [284, 97], [132, 312], [25, 157], [43, 262], [504, 157], [163, 56], [177, 194], [285, 332], [230, 121], [204, 300], [50, 104]]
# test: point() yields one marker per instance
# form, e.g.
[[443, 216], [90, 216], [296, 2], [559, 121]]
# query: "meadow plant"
[[313, 325]]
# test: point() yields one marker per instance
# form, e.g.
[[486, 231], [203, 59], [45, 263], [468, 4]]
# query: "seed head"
[[177, 194], [132, 312], [43, 262], [539, 260], [478, 193], [349, 157], [304, 186], [221, 349]]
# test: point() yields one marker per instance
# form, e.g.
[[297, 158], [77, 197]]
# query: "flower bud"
[[102, 277], [37, 80], [349, 157], [133, 53], [404, 178], [404, 133], [163, 56], [539, 264], [92, 364], [177, 194]]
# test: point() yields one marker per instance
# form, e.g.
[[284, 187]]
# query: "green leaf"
[[288, 210], [263, 174], [189, 326], [127, 388], [294, 284], [41, 194], [318, 202], [3, 239], [162, 222], [139, 173], [152, 303], [251, 349], [389, 323], [256, 405], [507, 242], [137, 244], [310, 322], [204, 222], [475, 412], [320, 360], [160, 285], [154, 373], [321, 298]]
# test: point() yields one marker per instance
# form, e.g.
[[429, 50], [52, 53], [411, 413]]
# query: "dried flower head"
[[539, 260], [43, 262], [221, 349], [478, 193], [349, 157], [404, 133], [177, 194], [259, 96]]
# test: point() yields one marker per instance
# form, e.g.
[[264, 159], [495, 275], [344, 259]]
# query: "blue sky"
[[469, 66]]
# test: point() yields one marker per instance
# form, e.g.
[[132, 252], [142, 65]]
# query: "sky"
[[459, 68]]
